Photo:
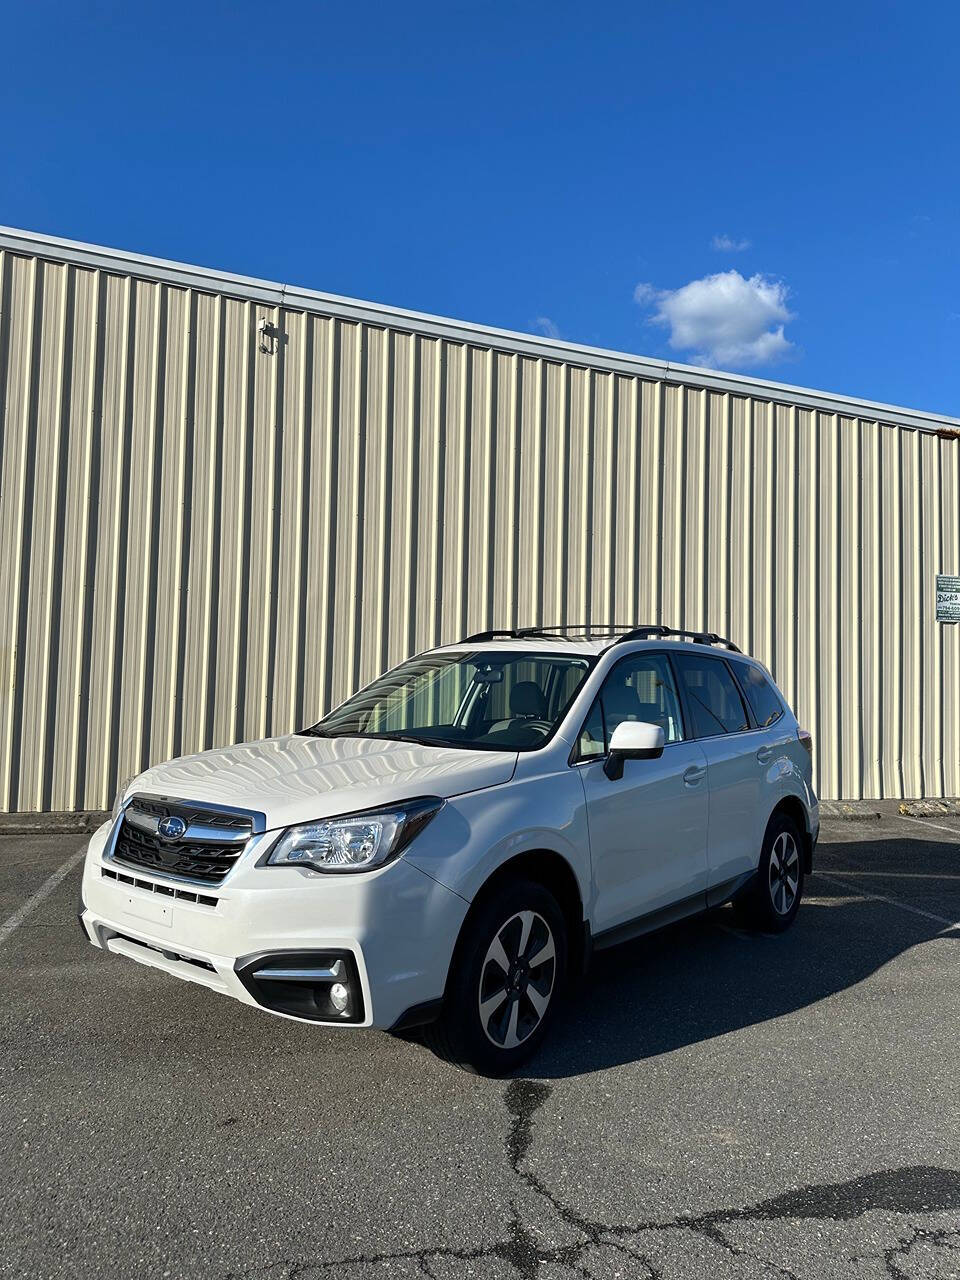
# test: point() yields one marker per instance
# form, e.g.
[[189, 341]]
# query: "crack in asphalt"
[[913, 1189], [944, 1238]]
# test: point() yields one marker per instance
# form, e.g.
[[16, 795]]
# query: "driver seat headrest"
[[527, 700]]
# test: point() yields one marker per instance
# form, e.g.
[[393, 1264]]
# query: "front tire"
[[774, 898], [507, 977]]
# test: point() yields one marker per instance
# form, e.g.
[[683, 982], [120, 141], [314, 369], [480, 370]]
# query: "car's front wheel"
[[506, 981]]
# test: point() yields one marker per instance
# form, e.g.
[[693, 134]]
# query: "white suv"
[[447, 847]]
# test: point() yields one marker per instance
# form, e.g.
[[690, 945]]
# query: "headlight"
[[357, 842], [118, 799]]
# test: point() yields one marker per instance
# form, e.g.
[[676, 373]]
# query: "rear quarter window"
[[763, 698]]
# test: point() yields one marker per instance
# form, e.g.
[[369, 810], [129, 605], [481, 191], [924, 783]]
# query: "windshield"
[[492, 701]]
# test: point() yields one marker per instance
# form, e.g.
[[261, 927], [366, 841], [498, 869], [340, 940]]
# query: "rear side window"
[[763, 698], [713, 696]]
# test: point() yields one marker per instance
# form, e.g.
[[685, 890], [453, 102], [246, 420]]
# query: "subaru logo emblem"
[[171, 827]]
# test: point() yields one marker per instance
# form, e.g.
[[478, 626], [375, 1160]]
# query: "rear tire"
[[508, 975], [773, 899]]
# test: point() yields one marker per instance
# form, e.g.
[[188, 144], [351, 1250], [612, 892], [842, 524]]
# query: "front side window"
[[488, 700], [763, 698], [638, 688], [712, 694], [592, 738]]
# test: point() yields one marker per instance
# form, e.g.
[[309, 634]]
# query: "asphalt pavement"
[[714, 1104]]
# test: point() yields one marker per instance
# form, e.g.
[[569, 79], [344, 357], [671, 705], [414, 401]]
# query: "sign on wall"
[[948, 598]]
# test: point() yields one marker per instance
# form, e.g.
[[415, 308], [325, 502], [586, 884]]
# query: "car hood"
[[296, 778]]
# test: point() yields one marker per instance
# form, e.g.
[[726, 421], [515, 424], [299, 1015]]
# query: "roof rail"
[[561, 631], [619, 631], [502, 633], [672, 633]]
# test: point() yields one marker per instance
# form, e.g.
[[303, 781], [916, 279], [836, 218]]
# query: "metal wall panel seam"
[[910, 633], [563, 494], [50, 546], [931, 553], [436, 445], [242, 520], [657, 473], [107, 584], [952, 508], [828, 772], [17, 557], [894, 528], [87, 529], [871, 635], [208, 640], [809, 707], [328, 515], [412, 495]]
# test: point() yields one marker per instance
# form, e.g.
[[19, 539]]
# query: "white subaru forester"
[[447, 847]]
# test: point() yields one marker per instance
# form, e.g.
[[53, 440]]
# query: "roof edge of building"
[[270, 293]]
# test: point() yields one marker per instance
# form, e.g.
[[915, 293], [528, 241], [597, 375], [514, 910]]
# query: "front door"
[[648, 829]]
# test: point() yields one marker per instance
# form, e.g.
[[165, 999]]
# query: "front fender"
[[475, 834]]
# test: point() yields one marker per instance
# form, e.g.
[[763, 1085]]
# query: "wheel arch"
[[793, 808], [554, 872]]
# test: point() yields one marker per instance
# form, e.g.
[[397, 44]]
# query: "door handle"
[[764, 754], [696, 773]]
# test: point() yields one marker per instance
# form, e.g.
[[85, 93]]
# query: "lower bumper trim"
[[419, 1015]]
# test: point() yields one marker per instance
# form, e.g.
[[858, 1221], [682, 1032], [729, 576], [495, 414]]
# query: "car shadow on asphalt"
[[705, 977]]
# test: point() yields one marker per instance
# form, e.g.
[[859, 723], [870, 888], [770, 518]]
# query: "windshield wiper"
[[418, 739]]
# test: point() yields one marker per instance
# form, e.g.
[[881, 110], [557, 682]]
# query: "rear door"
[[722, 727], [648, 829]]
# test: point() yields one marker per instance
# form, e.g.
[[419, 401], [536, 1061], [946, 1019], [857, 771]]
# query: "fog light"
[[339, 997], [322, 986]]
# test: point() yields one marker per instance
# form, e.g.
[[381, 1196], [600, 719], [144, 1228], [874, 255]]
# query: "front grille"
[[201, 854]]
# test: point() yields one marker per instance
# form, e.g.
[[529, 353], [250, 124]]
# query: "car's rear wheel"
[[507, 977], [774, 897]]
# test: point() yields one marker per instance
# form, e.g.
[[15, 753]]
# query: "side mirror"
[[632, 740]]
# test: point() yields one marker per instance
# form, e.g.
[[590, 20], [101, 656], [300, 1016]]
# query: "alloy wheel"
[[784, 873], [517, 979]]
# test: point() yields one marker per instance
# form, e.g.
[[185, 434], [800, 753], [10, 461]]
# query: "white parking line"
[[48, 886], [902, 875], [893, 902], [954, 831]]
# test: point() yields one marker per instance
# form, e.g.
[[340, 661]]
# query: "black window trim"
[[575, 759]]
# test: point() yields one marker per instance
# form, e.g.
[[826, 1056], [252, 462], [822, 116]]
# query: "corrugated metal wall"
[[202, 541]]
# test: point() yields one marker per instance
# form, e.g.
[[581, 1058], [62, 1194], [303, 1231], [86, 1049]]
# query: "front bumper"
[[395, 928]]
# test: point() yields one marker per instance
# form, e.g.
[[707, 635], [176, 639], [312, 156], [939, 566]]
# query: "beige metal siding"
[[202, 542]]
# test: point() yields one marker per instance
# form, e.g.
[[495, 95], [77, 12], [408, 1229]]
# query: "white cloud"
[[724, 319], [727, 244], [547, 327]]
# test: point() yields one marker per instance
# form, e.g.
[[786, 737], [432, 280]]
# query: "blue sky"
[[768, 187]]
